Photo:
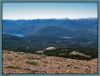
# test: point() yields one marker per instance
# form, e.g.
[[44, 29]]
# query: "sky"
[[49, 10]]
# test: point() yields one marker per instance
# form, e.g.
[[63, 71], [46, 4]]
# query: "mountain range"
[[41, 33]]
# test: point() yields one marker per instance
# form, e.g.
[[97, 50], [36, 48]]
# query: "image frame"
[[49, 1]]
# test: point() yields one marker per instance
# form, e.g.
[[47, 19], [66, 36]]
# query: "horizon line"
[[54, 18]]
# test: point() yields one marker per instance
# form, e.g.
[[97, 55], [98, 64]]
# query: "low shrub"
[[13, 67], [32, 63]]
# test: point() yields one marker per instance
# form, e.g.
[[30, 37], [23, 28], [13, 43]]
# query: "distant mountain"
[[41, 33], [52, 27]]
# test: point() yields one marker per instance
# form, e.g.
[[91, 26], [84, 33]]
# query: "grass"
[[13, 67], [32, 63]]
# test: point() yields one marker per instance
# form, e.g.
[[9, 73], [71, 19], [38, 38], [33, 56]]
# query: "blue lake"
[[19, 35]]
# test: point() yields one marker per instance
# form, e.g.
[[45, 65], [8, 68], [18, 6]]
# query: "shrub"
[[13, 67], [32, 63], [79, 57]]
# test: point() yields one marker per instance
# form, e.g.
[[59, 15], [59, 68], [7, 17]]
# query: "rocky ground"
[[20, 62]]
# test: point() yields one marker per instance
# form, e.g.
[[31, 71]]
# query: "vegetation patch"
[[13, 67], [60, 52], [32, 63]]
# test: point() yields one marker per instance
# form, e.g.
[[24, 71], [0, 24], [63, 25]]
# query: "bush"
[[79, 57], [13, 67], [32, 63], [60, 52]]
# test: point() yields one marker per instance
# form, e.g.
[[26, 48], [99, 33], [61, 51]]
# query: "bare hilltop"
[[20, 62]]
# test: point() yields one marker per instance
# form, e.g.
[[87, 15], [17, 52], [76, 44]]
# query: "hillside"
[[20, 62]]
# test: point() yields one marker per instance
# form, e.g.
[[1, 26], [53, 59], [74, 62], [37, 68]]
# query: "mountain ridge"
[[31, 27]]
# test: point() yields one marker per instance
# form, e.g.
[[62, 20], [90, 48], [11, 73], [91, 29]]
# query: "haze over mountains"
[[51, 27], [50, 32]]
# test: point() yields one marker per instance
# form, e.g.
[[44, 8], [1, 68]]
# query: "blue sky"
[[49, 10]]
